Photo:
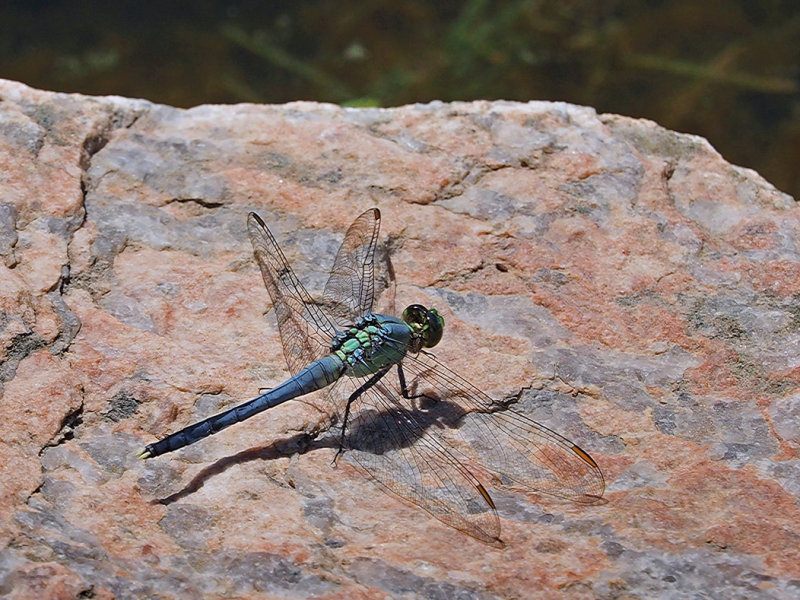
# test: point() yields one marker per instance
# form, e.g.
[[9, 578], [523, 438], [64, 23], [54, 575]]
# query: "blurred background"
[[728, 70]]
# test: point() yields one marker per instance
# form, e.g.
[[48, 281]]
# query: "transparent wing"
[[514, 447], [395, 444], [436, 450], [350, 290], [305, 330]]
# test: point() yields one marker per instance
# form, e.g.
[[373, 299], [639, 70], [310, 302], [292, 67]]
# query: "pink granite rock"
[[637, 290]]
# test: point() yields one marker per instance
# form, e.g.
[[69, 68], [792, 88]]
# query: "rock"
[[638, 293]]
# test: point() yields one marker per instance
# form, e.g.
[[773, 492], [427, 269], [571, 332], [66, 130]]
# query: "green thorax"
[[376, 342]]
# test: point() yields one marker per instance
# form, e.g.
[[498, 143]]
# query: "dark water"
[[728, 70]]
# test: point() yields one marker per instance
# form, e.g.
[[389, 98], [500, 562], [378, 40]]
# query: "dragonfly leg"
[[368, 384], [404, 388]]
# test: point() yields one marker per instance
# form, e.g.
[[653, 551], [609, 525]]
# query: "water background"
[[728, 70]]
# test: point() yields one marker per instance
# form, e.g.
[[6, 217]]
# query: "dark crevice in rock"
[[35, 491], [668, 171], [99, 138], [465, 275], [95, 280], [92, 145], [70, 323], [63, 281], [471, 176], [513, 398], [87, 593], [198, 201], [71, 421], [22, 346], [134, 118]]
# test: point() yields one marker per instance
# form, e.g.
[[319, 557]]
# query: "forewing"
[[511, 445], [350, 290], [305, 330], [392, 442]]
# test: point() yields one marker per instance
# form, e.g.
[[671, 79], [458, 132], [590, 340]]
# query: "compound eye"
[[432, 334], [415, 315], [429, 324]]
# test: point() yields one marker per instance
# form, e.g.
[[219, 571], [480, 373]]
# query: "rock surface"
[[642, 293]]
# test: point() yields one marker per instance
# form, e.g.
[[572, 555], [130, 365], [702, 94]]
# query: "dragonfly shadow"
[[384, 430], [277, 449], [371, 430]]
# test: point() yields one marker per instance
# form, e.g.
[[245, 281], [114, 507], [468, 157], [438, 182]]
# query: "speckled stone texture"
[[637, 291]]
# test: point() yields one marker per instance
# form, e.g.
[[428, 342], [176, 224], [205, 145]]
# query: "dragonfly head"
[[427, 323]]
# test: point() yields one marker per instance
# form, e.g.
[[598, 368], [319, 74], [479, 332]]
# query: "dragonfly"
[[415, 426]]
